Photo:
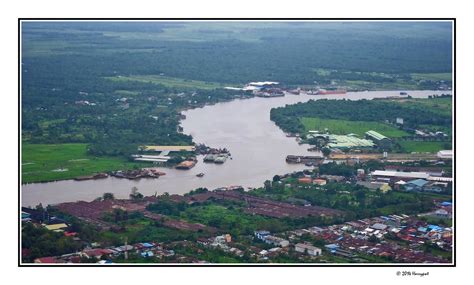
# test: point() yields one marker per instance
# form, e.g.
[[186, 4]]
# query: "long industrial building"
[[399, 175], [380, 140]]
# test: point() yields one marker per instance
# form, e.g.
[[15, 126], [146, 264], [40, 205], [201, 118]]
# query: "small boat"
[[220, 159], [200, 174]]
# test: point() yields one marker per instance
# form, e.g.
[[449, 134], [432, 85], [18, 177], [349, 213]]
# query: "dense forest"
[[239, 52]]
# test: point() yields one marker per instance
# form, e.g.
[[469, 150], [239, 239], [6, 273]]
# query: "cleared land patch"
[[342, 127], [443, 106], [171, 82]]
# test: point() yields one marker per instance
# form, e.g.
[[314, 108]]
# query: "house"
[[70, 234], [307, 248], [261, 234], [415, 185], [35, 215], [276, 241], [56, 227], [316, 230], [223, 238], [49, 259], [331, 246], [399, 184], [305, 180], [319, 181], [445, 154], [379, 226], [434, 186], [25, 217], [147, 253], [442, 213], [97, 252], [333, 178], [384, 187]]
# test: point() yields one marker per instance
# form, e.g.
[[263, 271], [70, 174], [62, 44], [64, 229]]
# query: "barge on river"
[[187, 164], [331, 91]]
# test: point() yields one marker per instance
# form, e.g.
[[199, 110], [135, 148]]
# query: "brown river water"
[[257, 145]]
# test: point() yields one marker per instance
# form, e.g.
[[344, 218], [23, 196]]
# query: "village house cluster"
[[398, 238], [108, 254]]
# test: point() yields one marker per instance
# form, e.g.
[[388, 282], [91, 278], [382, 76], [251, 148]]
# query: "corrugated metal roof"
[[345, 141], [168, 148], [422, 175], [418, 182], [376, 135]]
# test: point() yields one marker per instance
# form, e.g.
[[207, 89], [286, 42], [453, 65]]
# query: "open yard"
[[342, 127], [49, 162]]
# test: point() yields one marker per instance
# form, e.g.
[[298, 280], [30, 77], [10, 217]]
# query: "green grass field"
[[126, 93], [432, 76], [342, 127], [43, 162], [417, 146], [171, 82]]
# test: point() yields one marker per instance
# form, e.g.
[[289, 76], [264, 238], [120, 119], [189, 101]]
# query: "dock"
[[314, 159]]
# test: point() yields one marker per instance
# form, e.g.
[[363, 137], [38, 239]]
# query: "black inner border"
[[236, 265]]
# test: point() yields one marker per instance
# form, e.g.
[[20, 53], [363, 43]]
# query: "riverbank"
[[54, 162], [242, 126]]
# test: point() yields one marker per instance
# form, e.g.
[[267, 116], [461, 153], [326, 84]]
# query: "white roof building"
[[445, 154], [394, 174], [263, 83], [306, 248]]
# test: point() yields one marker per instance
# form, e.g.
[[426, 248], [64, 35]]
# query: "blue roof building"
[[415, 185], [261, 234]]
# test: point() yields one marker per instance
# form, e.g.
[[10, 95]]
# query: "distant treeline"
[[286, 53]]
